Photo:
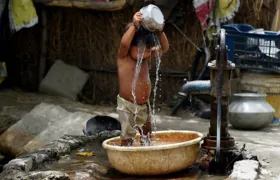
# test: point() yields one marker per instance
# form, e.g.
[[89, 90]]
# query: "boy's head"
[[145, 38]]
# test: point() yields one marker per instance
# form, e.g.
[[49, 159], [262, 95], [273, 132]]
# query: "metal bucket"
[[153, 18]]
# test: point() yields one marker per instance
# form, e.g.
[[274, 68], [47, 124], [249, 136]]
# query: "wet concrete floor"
[[98, 167], [263, 143]]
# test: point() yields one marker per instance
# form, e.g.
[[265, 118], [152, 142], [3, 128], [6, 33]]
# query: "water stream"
[[158, 61], [141, 52]]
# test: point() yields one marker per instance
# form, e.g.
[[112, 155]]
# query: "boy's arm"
[[163, 43], [126, 41], [128, 35]]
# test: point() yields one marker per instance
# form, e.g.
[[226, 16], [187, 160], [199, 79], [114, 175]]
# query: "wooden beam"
[[276, 20], [100, 6]]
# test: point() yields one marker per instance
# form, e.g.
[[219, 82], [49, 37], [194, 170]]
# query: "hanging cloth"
[[203, 9], [226, 9], [22, 14]]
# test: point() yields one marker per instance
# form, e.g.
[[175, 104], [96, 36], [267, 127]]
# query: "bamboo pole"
[[44, 37]]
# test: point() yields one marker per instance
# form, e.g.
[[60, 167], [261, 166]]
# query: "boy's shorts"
[[126, 110]]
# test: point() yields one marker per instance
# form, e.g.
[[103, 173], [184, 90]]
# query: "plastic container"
[[253, 48]]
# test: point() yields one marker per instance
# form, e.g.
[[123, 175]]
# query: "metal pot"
[[153, 18], [250, 111]]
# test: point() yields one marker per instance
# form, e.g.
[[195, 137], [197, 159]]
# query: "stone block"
[[64, 80], [72, 124], [34, 122], [38, 157], [245, 170], [54, 175], [24, 164]]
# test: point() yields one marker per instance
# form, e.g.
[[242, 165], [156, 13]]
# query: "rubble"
[[53, 175], [245, 170], [30, 125], [23, 167], [43, 124]]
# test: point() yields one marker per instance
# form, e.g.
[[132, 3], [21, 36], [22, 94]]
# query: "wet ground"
[[263, 143], [98, 167]]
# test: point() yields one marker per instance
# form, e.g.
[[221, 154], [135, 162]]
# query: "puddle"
[[98, 167]]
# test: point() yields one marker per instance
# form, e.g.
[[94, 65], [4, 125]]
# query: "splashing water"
[[150, 63], [140, 54], [145, 140]]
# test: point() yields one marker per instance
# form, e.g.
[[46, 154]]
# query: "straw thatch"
[[90, 39]]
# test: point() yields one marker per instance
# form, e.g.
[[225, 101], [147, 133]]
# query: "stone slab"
[[245, 170], [72, 124], [24, 167], [64, 80], [34, 122]]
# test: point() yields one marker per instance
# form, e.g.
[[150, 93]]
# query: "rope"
[[187, 37]]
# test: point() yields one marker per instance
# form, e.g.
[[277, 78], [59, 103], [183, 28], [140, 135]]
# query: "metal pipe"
[[220, 67], [196, 87], [219, 113]]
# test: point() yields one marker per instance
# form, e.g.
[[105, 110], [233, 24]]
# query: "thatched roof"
[[86, 4]]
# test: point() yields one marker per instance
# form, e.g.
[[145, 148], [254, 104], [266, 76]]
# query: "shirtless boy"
[[127, 60]]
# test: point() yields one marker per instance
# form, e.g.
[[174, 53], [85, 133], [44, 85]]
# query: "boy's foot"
[[146, 134], [127, 142], [145, 140]]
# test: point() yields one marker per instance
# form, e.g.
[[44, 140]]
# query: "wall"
[[89, 39]]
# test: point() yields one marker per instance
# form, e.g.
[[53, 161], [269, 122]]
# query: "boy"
[[127, 59]]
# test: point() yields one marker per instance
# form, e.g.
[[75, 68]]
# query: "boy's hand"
[[137, 18], [156, 48], [161, 30]]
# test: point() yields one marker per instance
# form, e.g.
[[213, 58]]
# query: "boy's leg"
[[127, 131], [147, 127], [126, 142], [146, 133]]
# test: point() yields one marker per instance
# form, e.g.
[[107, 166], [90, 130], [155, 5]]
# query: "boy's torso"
[[126, 72]]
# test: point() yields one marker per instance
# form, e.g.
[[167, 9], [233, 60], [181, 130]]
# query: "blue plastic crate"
[[252, 50]]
